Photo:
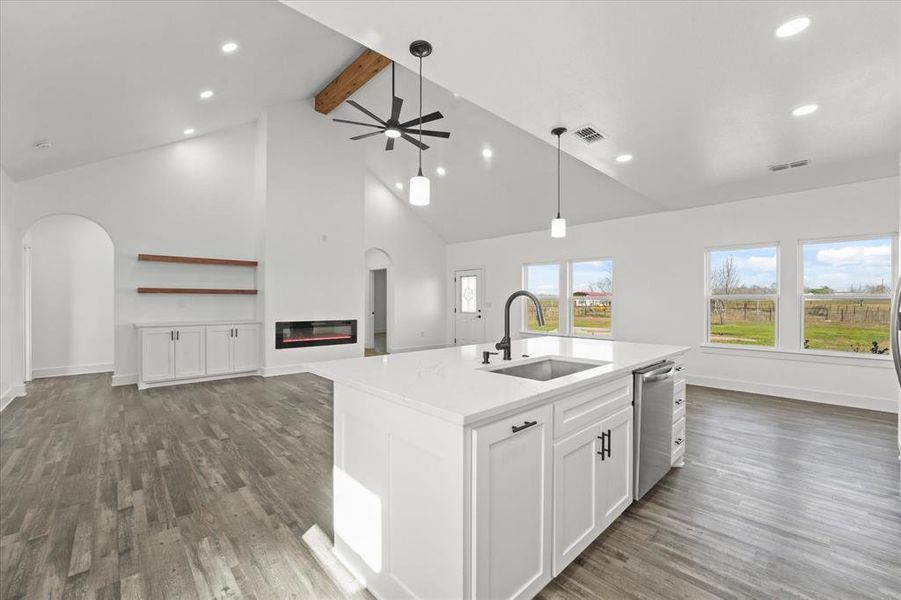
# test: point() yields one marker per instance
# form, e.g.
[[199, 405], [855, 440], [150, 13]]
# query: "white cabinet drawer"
[[678, 436], [590, 406]]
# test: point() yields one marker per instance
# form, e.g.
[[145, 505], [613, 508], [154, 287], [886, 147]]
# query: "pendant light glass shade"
[[558, 227], [420, 189]]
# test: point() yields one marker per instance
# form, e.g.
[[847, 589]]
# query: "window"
[[544, 282], [591, 297], [846, 299], [469, 293], [742, 296]]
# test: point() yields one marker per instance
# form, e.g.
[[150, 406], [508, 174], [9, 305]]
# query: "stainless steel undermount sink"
[[546, 369]]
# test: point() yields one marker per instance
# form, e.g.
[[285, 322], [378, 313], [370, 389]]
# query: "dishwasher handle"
[[663, 371]]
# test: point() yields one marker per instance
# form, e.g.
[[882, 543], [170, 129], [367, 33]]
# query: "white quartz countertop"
[[452, 384], [193, 323]]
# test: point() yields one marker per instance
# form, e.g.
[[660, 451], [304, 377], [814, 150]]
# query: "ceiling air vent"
[[589, 134], [791, 165]]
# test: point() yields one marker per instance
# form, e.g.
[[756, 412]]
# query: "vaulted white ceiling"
[[101, 79], [700, 93]]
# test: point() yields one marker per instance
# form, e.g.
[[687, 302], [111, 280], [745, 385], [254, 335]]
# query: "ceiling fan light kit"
[[558, 224], [394, 129]]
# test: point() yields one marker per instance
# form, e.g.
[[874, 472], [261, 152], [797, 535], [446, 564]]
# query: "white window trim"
[[802, 296], [524, 319], [569, 295], [708, 296]]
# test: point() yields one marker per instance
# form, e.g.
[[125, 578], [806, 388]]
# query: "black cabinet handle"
[[679, 442], [236, 332], [605, 438], [679, 401], [171, 336], [525, 425], [176, 335]]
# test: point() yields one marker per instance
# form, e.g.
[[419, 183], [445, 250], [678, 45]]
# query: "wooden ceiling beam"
[[362, 69]]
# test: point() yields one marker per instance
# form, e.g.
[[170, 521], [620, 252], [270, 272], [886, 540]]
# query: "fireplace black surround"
[[301, 334]]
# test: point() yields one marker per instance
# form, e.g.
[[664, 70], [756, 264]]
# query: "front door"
[[469, 326]]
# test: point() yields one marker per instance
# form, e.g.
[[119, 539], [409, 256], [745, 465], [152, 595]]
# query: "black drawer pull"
[[679, 401], [525, 425], [678, 442]]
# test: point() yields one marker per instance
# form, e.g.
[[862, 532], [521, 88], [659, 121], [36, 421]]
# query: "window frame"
[[803, 297], [570, 318], [775, 297], [524, 312]]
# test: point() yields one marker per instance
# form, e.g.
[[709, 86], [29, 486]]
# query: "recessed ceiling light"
[[43, 144], [206, 94], [399, 185], [229, 47], [623, 158], [487, 153], [189, 131], [805, 110], [441, 171], [793, 27]]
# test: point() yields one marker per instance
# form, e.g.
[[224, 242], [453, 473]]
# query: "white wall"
[[193, 197], [72, 297], [659, 283], [380, 299], [11, 384], [416, 277], [314, 265]]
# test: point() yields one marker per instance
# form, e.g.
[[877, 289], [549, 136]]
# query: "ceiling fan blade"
[[390, 144], [395, 108], [414, 141], [356, 123], [443, 134], [365, 135], [426, 119], [363, 110]]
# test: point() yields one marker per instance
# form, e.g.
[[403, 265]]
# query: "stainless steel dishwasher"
[[653, 422]]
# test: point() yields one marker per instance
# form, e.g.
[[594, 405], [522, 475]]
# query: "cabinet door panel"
[[157, 359], [246, 345], [575, 495], [512, 505], [219, 349], [189, 352], [615, 471]]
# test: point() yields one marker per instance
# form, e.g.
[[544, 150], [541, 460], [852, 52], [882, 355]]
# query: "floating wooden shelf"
[[159, 290], [197, 260]]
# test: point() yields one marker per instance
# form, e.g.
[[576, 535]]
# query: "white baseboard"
[[285, 370], [130, 379], [795, 393], [398, 350], [72, 370], [11, 394]]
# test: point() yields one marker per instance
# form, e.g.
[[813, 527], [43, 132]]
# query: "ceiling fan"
[[392, 127]]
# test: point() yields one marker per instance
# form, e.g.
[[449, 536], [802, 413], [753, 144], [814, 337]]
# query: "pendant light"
[[419, 184], [558, 225]]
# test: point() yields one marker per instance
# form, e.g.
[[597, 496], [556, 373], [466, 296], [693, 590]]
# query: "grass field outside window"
[[742, 296]]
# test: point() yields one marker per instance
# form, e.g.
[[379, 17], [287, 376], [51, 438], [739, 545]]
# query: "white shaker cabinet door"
[[246, 348], [512, 505], [576, 490], [189, 352], [615, 466], [157, 354], [219, 349]]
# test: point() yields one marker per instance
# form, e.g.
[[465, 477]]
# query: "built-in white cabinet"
[[615, 466], [512, 508], [193, 352], [157, 354]]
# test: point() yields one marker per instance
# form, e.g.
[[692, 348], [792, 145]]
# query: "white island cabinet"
[[176, 352], [452, 481]]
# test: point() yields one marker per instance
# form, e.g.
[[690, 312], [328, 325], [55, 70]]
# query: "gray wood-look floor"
[[208, 491]]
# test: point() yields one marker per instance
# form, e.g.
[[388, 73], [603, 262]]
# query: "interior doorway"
[[69, 293], [379, 311]]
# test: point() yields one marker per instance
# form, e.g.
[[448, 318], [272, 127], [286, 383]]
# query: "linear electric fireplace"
[[299, 334]]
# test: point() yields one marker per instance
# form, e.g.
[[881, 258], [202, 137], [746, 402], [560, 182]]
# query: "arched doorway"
[[379, 302], [69, 284]]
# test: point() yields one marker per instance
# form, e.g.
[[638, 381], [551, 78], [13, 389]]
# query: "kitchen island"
[[453, 480]]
